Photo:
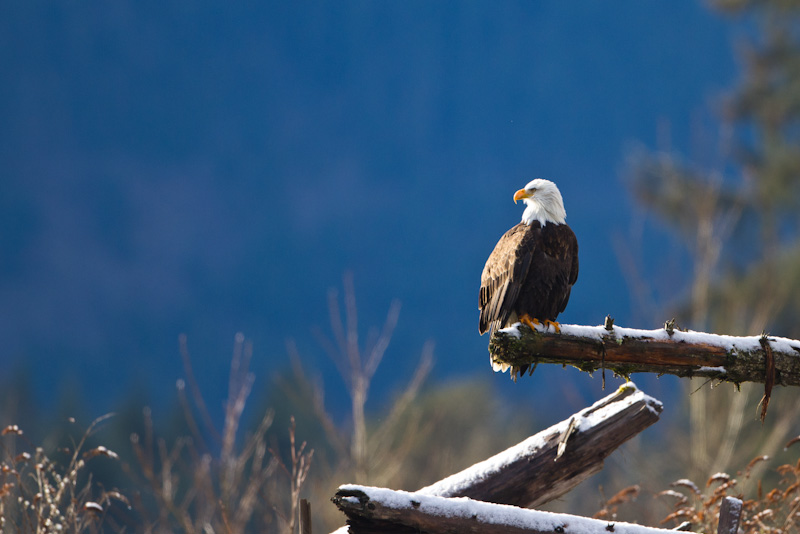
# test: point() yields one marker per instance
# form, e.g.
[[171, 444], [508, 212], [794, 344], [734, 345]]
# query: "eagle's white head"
[[543, 203]]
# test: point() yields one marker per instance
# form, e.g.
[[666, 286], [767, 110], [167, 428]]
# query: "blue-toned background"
[[213, 167]]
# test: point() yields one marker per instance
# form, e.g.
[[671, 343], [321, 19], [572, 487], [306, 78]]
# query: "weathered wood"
[[305, 516], [535, 472], [626, 351], [383, 511], [730, 513]]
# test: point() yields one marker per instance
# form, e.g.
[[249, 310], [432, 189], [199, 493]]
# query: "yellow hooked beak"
[[519, 195]]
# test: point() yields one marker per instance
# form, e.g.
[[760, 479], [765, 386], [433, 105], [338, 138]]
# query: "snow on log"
[[552, 462], [379, 510], [730, 513], [664, 351], [533, 472]]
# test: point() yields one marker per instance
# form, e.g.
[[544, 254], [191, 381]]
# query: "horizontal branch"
[[552, 462], [627, 350], [384, 511]]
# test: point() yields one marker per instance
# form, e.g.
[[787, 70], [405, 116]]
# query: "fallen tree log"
[[553, 461], [533, 472], [384, 511], [665, 351]]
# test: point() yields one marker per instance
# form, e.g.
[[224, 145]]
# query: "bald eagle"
[[530, 273]]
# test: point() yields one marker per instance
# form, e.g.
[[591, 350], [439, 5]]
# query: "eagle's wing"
[[503, 275], [571, 244]]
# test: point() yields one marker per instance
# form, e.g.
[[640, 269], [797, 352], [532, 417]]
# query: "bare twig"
[[224, 494], [301, 463], [356, 370]]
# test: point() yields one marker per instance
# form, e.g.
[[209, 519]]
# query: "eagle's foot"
[[554, 324], [529, 321]]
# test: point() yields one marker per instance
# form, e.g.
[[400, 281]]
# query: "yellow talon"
[[529, 321], [554, 324]]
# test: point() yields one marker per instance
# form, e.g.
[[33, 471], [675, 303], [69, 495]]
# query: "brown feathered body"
[[531, 271]]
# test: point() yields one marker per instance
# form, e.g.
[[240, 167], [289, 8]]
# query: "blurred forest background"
[[173, 173]]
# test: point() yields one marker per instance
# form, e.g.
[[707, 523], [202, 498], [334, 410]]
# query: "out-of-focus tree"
[[765, 107], [739, 221], [766, 104]]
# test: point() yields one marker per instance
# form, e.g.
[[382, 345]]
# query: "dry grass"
[[776, 511], [244, 487], [40, 492], [610, 509], [179, 486], [200, 477]]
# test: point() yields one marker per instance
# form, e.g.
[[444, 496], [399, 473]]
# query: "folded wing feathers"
[[501, 280]]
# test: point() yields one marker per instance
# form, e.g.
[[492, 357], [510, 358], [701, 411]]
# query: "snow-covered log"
[[379, 510], [552, 462], [533, 472], [664, 351]]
